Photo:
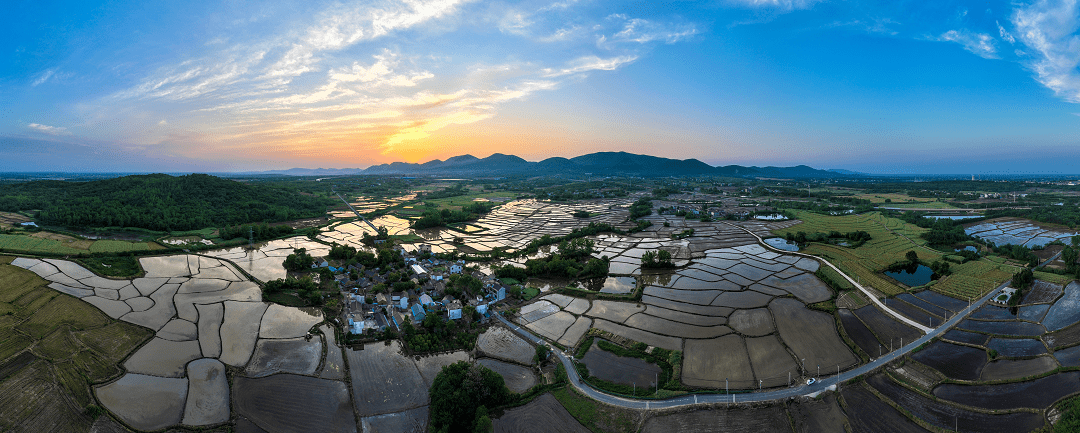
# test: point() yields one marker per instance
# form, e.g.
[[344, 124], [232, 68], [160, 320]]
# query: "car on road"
[[811, 381]]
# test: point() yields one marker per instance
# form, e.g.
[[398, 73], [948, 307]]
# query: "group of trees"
[[656, 259], [1017, 252], [159, 202], [460, 396], [298, 261], [641, 207], [855, 239], [572, 261], [438, 218]]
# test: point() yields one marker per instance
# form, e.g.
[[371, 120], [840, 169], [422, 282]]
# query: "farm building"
[[419, 271], [453, 310]]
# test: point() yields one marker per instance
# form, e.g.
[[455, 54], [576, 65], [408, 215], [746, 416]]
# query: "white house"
[[419, 271], [403, 303], [426, 300], [501, 294], [453, 310], [482, 309]]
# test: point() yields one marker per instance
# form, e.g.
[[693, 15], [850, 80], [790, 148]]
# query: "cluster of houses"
[[366, 310]]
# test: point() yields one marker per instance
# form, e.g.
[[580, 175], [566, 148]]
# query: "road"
[[869, 295], [759, 396], [356, 212]]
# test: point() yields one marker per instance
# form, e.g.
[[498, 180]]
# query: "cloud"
[[642, 31], [50, 130], [43, 77], [590, 63], [1008, 37], [786, 5], [980, 44], [1048, 29]]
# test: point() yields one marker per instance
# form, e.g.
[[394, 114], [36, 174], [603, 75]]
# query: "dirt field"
[[290, 403], [384, 381], [410, 421], [811, 335], [817, 416], [517, 378], [542, 415], [32, 401], [1042, 292], [721, 419], [886, 328]]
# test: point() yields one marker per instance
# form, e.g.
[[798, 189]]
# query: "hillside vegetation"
[[158, 202]]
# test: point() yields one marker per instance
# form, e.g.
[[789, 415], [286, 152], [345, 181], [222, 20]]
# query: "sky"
[[874, 86]]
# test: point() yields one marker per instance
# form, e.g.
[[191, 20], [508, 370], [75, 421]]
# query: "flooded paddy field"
[[887, 329], [953, 305], [291, 403], [966, 337], [951, 417], [1011, 328], [859, 333], [264, 262], [993, 312], [384, 380], [1066, 310], [818, 416], [619, 369], [1017, 348], [409, 421], [1042, 292], [1016, 231], [953, 360], [501, 343], [916, 314], [866, 413], [1004, 369], [1036, 394], [517, 378]]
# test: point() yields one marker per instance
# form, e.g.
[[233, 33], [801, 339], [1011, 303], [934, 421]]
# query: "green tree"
[[298, 261], [457, 393], [912, 257]]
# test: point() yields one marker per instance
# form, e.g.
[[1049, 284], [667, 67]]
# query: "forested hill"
[[158, 202]]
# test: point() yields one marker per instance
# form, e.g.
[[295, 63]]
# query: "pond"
[[967, 248], [954, 217], [782, 244], [912, 277], [771, 217], [616, 285]]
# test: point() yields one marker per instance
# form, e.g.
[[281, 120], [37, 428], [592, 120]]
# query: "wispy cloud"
[[50, 130], [590, 63], [1049, 30], [980, 44], [643, 31], [43, 77], [786, 5], [1008, 37]]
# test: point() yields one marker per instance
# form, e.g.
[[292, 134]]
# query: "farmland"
[[69, 345]]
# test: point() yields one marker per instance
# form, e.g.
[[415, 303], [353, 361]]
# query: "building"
[[453, 310], [419, 271], [426, 300], [455, 268], [418, 313]]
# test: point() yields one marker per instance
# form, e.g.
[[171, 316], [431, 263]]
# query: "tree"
[[912, 256], [457, 393], [298, 261], [542, 352]]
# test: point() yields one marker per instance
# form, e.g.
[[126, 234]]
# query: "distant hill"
[[158, 202], [596, 164]]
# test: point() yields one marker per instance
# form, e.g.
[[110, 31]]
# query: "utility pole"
[[251, 238]]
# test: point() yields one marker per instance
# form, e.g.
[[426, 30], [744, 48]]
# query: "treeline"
[[572, 261], [438, 218], [1064, 215], [943, 232], [158, 202]]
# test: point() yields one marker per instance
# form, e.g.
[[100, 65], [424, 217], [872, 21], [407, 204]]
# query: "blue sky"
[[882, 87]]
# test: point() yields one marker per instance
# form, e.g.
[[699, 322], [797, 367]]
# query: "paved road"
[[356, 212], [869, 295], [760, 396]]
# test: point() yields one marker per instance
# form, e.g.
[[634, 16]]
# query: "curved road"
[[759, 396]]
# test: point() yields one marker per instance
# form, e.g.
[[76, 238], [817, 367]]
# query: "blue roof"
[[418, 312]]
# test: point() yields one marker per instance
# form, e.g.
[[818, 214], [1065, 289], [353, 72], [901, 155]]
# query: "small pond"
[[771, 217], [912, 277], [616, 285], [953, 217], [967, 248], [782, 244]]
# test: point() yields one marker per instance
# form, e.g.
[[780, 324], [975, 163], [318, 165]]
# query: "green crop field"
[[31, 245], [891, 240], [109, 246], [61, 346]]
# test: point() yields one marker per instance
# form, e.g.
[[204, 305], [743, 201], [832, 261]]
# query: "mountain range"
[[594, 164]]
